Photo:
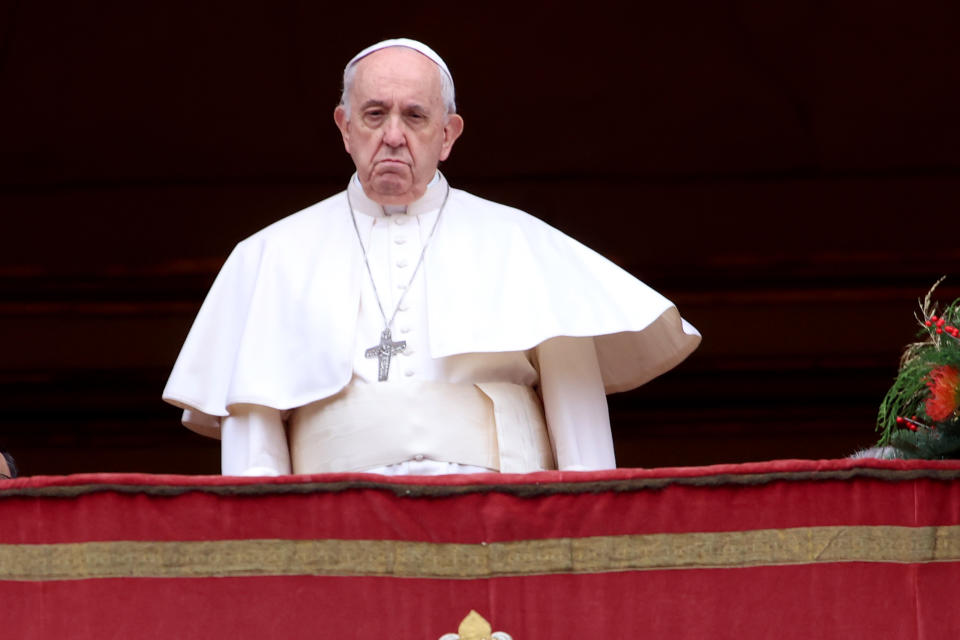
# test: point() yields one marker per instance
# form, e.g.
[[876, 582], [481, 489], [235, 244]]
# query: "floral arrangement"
[[919, 416]]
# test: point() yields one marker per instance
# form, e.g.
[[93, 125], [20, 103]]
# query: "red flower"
[[944, 382]]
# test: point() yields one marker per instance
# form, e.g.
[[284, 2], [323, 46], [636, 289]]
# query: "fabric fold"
[[278, 326]]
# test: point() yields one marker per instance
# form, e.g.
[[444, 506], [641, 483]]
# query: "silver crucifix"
[[384, 351]]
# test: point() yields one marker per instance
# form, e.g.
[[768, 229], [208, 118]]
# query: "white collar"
[[430, 201]]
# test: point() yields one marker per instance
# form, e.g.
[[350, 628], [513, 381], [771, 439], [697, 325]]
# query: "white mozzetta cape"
[[278, 327]]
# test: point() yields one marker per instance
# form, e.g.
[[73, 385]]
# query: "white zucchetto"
[[403, 42]]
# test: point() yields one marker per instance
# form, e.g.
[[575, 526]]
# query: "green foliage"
[[927, 444], [903, 417], [905, 398]]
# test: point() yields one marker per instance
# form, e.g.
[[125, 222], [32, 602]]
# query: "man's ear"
[[340, 117], [451, 131]]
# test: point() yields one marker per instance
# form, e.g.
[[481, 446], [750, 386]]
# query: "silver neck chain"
[[387, 324]]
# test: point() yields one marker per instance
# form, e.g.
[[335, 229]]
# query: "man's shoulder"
[[494, 212], [308, 222]]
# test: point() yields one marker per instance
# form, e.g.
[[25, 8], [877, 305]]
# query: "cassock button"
[[404, 306], [408, 351], [408, 373], [402, 262], [404, 329], [399, 240], [418, 457], [400, 220]]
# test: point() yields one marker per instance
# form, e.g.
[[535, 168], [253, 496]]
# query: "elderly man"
[[406, 327]]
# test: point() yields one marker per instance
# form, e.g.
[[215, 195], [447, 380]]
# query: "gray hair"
[[447, 93]]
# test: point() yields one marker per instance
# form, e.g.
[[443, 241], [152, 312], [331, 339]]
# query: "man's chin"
[[391, 189], [390, 185]]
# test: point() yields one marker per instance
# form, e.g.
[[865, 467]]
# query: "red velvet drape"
[[786, 549]]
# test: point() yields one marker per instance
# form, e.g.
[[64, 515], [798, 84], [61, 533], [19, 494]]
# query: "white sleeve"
[[253, 442], [575, 404]]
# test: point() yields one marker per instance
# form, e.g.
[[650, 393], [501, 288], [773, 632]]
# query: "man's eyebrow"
[[373, 103], [414, 106]]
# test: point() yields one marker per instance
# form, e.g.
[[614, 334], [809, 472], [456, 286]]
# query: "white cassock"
[[502, 304]]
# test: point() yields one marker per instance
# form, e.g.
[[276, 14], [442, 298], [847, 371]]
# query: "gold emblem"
[[474, 627]]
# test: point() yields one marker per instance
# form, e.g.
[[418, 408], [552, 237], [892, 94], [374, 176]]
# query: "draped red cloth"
[[785, 549]]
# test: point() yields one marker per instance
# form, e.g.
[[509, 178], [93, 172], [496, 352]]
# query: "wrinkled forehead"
[[397, 70]]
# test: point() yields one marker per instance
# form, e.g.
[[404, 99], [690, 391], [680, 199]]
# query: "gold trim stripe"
[[402, 559]]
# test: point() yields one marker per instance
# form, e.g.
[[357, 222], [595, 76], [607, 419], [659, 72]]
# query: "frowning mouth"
[[391, 165]]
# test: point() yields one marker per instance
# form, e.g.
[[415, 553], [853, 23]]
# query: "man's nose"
[[393, 134]]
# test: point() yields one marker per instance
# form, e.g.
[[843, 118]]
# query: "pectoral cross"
[[384, 351]]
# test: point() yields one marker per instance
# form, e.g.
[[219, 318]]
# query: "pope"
[[403, 326]]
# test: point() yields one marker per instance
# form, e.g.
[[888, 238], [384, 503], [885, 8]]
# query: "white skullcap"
[[409, 44]]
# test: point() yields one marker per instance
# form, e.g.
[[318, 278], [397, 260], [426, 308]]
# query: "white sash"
[[496, 425]]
